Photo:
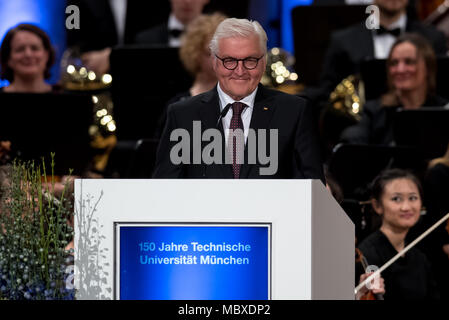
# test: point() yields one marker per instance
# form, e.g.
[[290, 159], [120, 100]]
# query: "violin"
[[360, 258]]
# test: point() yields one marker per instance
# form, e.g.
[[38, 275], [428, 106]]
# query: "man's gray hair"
[[234, 28]]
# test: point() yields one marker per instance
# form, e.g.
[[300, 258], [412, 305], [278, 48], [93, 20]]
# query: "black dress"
[[408, 278]]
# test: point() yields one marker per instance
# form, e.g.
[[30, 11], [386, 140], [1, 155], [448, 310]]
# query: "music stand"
[[374, 75], [38, 124], [144, 79], [425, 129], [143, 160], [310, 47], [354, 166]]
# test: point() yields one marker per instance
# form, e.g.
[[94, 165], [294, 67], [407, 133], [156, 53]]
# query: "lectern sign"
[[192, 261], [176, 239]]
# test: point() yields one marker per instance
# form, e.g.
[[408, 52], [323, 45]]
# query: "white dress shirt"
[[246, 114], [384, 42], [174, 24], [118, 8]]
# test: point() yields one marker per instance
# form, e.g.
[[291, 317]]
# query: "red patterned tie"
[[238, 140]]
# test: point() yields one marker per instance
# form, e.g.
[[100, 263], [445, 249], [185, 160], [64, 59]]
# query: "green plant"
[[34, 232]]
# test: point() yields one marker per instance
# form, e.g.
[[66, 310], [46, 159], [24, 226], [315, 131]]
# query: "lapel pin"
[[265, 108]]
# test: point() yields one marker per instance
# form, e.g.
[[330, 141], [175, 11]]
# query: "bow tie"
[[175, 33], [394, 32]]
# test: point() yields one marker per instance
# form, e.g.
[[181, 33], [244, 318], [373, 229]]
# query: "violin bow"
[[402, 252]]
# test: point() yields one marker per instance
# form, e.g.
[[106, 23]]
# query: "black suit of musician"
[[98, 27], [349, 47], [168, 33], [238, 51]]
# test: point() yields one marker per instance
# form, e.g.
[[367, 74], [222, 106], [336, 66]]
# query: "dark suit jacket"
[[298, 150], [157, 35], [97, 26], [350, 46]]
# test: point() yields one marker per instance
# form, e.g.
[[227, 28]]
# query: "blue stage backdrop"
[[47, 14], [194, 262], [286, 22]]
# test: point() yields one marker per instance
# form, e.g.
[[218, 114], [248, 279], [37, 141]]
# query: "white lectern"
[[311, 244]]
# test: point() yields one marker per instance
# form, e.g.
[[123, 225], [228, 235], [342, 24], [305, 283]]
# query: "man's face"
[[187, 10], [391, 7], [240, 82]]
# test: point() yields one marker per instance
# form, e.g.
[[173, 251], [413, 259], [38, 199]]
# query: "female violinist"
[[397, 199]]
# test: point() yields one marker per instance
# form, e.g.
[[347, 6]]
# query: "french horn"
[[348, 97]]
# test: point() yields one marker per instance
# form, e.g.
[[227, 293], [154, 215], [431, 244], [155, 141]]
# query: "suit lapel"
[[210, 110], [209, 113], [262, 114]]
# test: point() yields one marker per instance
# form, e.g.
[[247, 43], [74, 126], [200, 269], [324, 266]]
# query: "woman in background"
[[196, 58], [397, 199], [411, 73], [195, 54], [26, 58]]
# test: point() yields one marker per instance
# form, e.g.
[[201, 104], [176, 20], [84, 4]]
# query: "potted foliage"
[[35, 231]]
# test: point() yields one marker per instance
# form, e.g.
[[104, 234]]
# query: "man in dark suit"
[[350, 46], [240, 104], [168, 33], [107, 23]]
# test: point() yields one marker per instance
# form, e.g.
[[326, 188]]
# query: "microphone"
[[223, 113]]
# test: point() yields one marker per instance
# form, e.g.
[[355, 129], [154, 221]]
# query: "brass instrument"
[[279, 73], [76, 77], [342, 110], [348, 97]]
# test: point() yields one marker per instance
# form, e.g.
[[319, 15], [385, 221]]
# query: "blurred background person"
[[397, 198], [196, 57], [195, 53], [26, 58], [344, 58], [411, 76], [169, 33], [107, 23]]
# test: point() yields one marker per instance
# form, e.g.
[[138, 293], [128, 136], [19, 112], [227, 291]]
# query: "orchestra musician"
[[26, 58], [411, 77], [397, 199]]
